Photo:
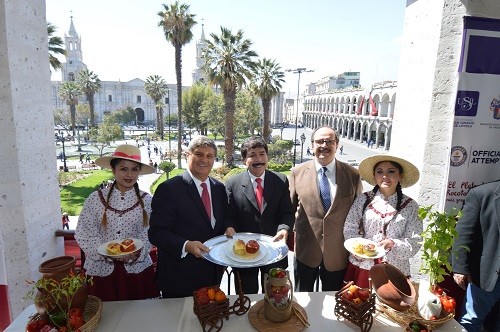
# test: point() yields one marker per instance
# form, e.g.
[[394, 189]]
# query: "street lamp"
[[281, 128], [297, 71], [64, 153], [302, 140], [169, 146]]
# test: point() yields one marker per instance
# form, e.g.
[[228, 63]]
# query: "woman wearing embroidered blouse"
[[384, 215], [118, 211]]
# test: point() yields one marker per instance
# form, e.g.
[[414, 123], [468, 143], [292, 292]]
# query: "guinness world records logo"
[[458, 156]]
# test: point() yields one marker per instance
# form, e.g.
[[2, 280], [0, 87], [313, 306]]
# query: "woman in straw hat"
[[118, 211], [384, 215]]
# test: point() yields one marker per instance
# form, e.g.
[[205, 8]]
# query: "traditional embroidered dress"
[[404, 228], [124, 220]]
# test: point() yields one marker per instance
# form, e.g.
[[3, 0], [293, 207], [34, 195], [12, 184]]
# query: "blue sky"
[[121, 39]]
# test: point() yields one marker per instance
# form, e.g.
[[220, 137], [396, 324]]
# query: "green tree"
[[228, 64], [124, 116], [247, 113], [90, 84], [192, 100], [177, 23], [156, 88], [213, 114], [266, 85], [70, 92], [55, 47], [105, 133]]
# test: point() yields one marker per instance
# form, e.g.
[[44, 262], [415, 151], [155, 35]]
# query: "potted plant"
[[437, 242], [59, 300]]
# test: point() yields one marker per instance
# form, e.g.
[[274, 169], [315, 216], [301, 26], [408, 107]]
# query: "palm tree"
[[156, 88], [89, 84], [55, 47], [69, 92], [177, 23], [229, 64], [267, 84]]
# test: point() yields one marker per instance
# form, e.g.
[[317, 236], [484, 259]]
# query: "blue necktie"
[[324, 189]]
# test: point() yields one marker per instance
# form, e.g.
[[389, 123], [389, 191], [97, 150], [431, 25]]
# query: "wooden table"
[[177, 315]]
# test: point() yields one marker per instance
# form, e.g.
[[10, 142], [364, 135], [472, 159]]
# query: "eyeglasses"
[[327, 141]]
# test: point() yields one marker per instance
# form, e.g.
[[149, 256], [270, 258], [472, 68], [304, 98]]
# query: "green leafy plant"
[[437, 241], [57, 296]]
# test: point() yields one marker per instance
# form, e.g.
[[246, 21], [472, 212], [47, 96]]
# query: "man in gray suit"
[[478, 270], [322, 192]]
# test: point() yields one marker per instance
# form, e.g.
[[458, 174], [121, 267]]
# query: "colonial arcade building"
[[358, 114]]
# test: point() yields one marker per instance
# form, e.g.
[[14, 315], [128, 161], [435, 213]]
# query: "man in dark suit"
[[272, 216], [322, 192], [187, 210], [478, 270]]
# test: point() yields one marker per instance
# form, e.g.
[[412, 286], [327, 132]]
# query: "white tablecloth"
[[177, 315]]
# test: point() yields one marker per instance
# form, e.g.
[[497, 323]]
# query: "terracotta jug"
[[56, 269]]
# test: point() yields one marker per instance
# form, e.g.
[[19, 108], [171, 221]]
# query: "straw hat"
[[126, 152], [409, 177]]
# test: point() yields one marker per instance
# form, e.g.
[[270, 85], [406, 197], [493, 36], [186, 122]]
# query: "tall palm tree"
[[156, 88], [55, 47], [177, 23], [267, 84], [89, 84], [229, 64], [69, 92]]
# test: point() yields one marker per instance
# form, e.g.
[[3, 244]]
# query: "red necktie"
[[205, 197], [259, 193]]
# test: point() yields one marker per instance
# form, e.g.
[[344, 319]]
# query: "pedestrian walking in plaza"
[[322, 192], [120, 211], [384, 215], [341, 149], [65, 221]]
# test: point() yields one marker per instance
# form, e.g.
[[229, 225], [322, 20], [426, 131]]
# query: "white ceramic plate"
[[349, 245], [276, 251], [102, 248], [229, 252]]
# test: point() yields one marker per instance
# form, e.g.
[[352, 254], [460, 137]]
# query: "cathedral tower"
[[74, 63]]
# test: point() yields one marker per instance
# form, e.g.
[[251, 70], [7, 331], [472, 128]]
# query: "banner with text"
[[475, 146]]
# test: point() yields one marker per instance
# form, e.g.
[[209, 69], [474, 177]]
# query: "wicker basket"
[[91, 314], [405, 317], [361, 315]]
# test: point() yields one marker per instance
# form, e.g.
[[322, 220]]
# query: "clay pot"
[[392, 286], [57, 268]]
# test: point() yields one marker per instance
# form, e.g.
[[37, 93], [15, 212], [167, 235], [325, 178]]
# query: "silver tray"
[[276, 251]]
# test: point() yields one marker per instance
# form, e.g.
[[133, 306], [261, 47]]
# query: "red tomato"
[[75, 318], [363, 294], [436, 290], [448, 303], [252, 246], [348, 296]]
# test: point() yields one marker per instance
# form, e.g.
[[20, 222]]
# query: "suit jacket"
[[479, 229], [178, 215], [319, 235], [277, 213]]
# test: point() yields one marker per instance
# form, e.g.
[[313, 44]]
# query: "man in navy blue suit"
[[184, 217], [273, 215]]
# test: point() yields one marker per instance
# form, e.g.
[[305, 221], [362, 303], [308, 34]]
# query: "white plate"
[[276, 251], [349, 245], [229, 252], [102, 248]]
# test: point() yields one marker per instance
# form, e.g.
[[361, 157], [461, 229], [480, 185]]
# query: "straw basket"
[[412, 314], [91, 314], [273, 313]]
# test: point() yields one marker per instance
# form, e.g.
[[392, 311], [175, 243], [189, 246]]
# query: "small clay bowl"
[[392, 286]]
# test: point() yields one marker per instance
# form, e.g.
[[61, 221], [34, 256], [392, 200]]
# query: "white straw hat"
[[127, 152], [409, 177]]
